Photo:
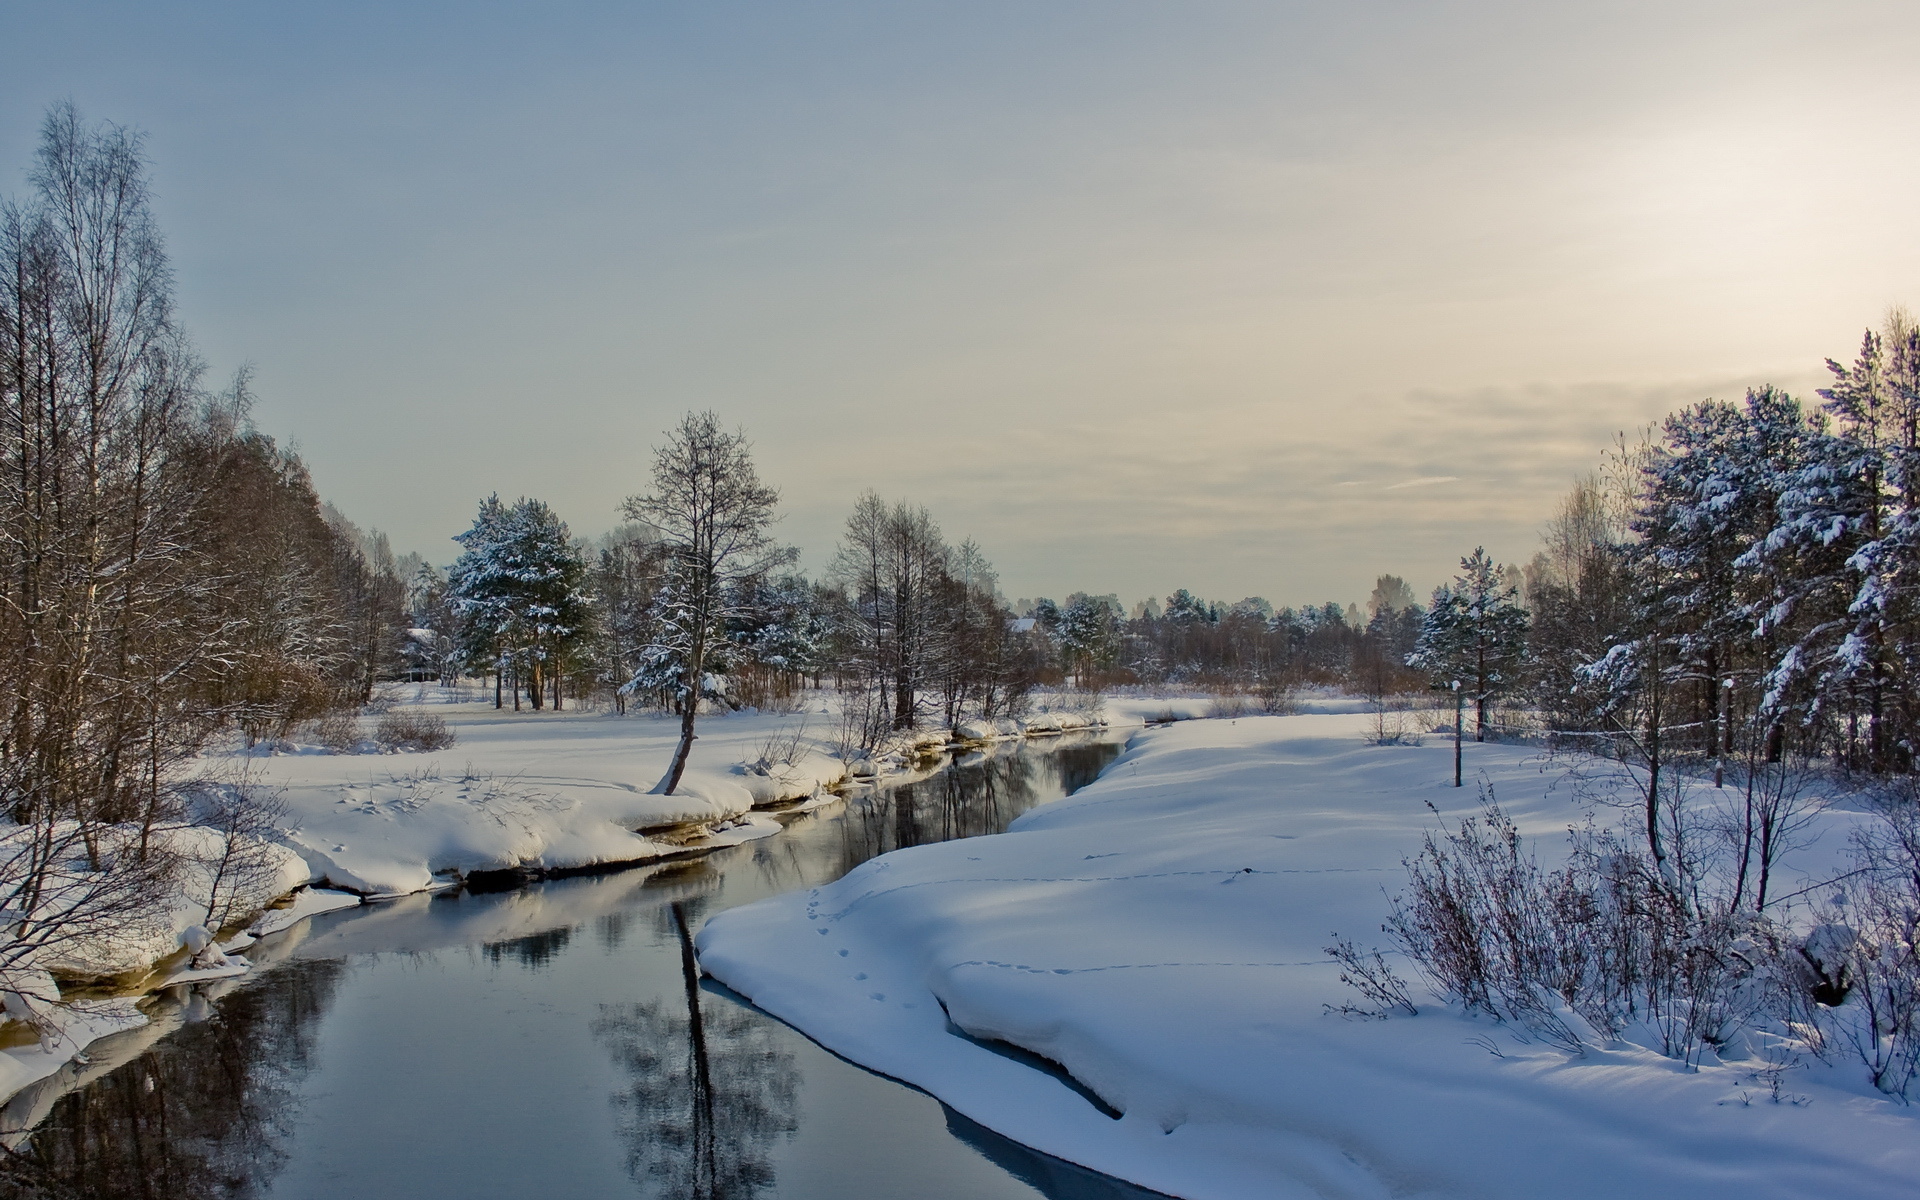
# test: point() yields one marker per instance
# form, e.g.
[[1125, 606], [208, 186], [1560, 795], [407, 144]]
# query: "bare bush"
[[338, 730], [865, 718], [1367, 972], [411, 729], [1395, 722], [1599, 947], [239, 868], [1277, 695], [783, 747], [1870, 952], [1230, 705]]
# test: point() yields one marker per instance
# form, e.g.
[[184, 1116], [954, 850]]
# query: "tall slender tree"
[[713, 515], [1475, 632]]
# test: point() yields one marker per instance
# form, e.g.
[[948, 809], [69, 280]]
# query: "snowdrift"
[[1134, 979]]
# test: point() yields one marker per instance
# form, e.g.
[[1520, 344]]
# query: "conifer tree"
[[1475, 632]]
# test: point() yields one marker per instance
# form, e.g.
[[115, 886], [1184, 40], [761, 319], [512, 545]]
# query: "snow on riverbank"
[[1160, 933], [563, 791], [531, 792]]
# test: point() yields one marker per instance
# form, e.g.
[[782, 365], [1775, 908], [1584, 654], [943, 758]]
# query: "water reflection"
[[208, 1112], [706, 1094], [710, 1090], [533, 951]]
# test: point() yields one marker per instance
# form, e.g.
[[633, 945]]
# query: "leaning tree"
[[712, 513]]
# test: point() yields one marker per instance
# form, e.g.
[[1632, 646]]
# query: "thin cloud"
[[1422, 481]]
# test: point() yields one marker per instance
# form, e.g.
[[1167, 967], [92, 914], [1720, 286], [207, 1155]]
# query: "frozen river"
[[548, 1041]]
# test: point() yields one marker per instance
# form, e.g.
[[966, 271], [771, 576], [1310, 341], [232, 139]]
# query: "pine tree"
[[1474, 632], [1711, 496], [519, 590], [1087, 634]]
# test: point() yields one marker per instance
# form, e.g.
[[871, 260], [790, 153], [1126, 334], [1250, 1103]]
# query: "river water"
[[544, 1042]]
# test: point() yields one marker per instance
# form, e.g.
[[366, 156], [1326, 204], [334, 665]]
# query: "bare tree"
[[240, 872], [713, 513]]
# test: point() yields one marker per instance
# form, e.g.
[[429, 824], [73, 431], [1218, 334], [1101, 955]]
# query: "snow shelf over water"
[[1159, 935]]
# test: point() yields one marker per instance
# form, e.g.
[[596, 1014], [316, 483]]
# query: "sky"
[[1251, 299]]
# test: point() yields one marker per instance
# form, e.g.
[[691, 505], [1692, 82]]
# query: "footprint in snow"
[[823, 933], [877, 996], [843, 954], [860, 976]]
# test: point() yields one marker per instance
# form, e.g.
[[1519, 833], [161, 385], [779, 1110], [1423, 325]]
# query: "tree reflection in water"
[[208, 1112], [711, 1090]]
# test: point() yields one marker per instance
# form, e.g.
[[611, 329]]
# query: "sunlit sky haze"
[[1245, 298]]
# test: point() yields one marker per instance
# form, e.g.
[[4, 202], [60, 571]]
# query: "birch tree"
[[713, 515]]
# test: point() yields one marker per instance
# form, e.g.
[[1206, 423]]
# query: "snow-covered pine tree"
[[480, 594], [1845, 554], [1087, 633], [519, 590], [776, 635], [1711, 496], [1475, 632]]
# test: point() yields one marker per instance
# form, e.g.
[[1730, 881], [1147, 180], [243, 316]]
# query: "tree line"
[[169, 571]]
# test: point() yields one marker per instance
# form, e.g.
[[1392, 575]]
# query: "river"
[[544, 1041]]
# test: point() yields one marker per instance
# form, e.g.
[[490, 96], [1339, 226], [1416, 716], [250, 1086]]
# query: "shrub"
[[1597, 948], [402, 729], [1276, 695], [338, 730], [1230, 704]]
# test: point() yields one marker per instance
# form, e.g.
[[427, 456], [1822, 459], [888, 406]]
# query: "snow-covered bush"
[[410, 729], [338, 730], [1863, 964], [1599, 949]]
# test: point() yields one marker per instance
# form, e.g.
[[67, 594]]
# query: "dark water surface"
[[544, 1042]]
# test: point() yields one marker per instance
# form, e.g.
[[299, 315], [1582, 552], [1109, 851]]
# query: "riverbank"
[[327, 1069], [1160, 937], [517, 797]]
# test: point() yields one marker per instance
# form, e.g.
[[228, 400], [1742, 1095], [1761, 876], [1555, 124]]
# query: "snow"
[[307, 902], [1160, 936], [530, 791], [571, 790]]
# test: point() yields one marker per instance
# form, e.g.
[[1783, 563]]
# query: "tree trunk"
[[696, 666], [681, 751]]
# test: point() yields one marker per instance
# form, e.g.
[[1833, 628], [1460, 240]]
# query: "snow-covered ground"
[[1160, 935], [561, 791], [530, 791]]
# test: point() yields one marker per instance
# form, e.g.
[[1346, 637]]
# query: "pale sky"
[[1244, 298]]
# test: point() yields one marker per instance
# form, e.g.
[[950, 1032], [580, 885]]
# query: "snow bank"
[[528, 791], [1159, 936]]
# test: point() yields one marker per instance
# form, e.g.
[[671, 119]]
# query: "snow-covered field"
[[1160, 935]]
